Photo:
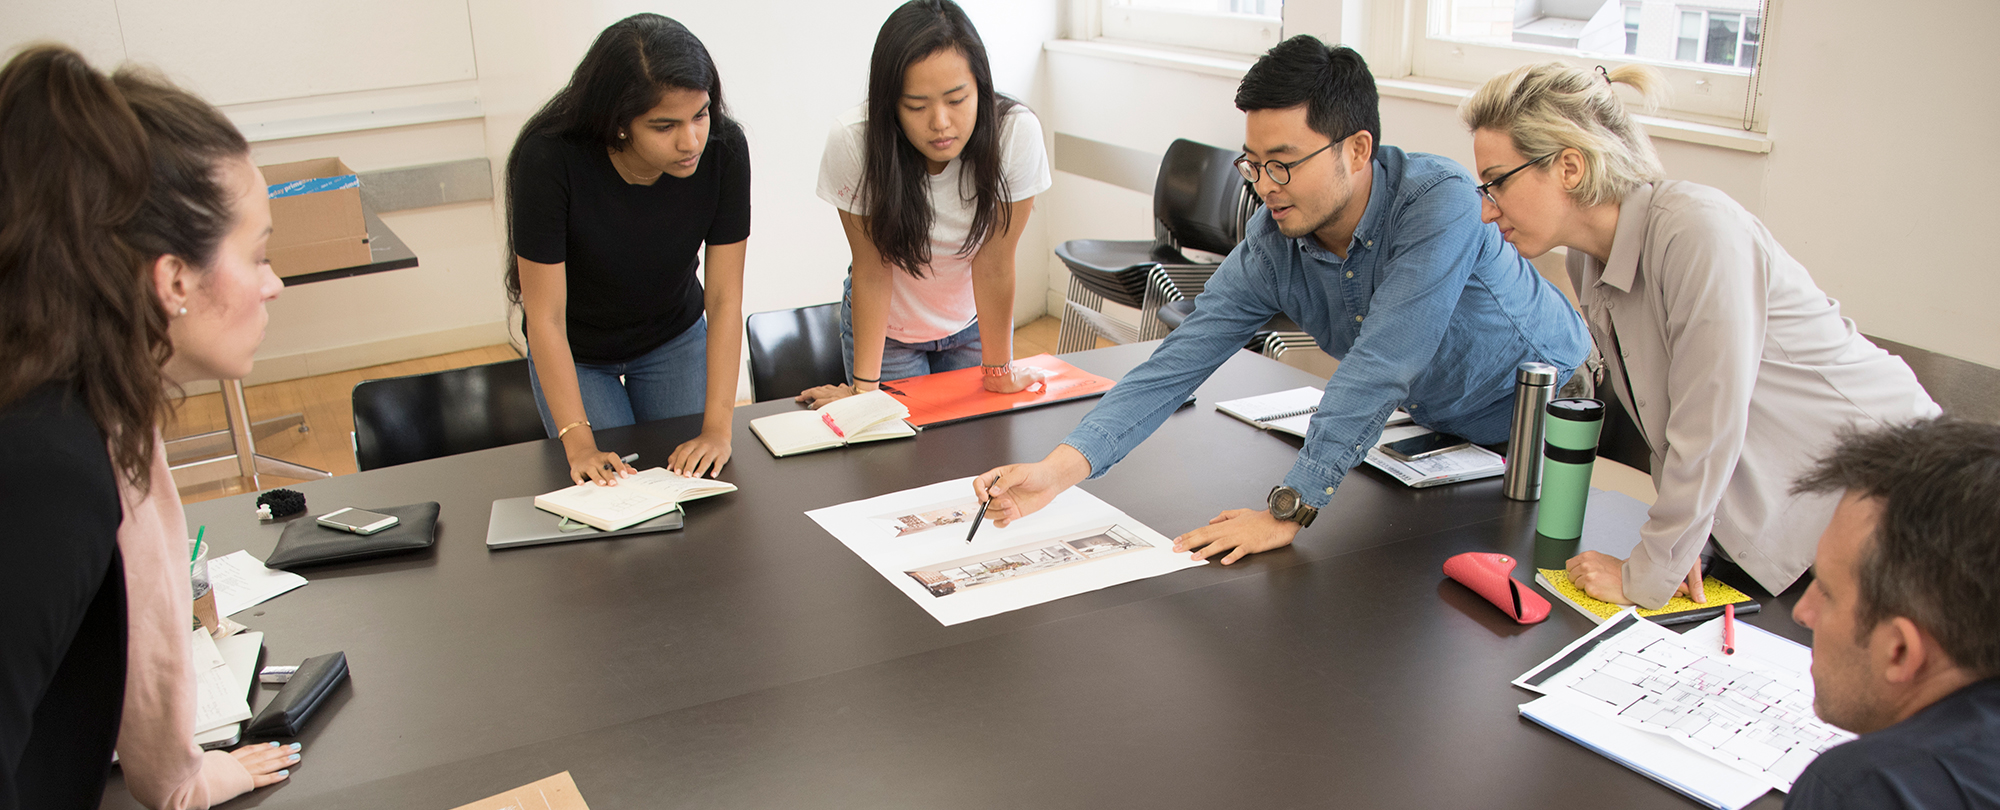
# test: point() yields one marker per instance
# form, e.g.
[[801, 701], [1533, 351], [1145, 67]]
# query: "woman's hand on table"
[[702, 454], [1241, 532], [817, 397], [268, 763], [587, 463], [1018, 379], [1599, 575]]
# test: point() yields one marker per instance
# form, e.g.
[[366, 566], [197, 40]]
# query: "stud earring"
[[184, 311], [621, 136]]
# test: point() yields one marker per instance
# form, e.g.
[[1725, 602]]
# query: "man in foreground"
[[1905, 613]]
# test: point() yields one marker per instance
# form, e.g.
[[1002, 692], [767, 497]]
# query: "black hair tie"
[[281, 503], [1605, 73]]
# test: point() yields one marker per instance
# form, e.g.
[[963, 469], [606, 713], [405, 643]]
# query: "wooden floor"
[[329, 417]]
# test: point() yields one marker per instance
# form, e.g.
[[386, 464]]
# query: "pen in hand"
[[976, 518]]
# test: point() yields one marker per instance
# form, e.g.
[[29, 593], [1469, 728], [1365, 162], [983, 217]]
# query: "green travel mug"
[[1569, 448]]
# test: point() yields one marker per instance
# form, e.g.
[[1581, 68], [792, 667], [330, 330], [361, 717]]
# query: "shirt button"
[[1350, 274], [1642, 403], [1357, 319], [1369, 243], [1329, 490], [1357, 447]]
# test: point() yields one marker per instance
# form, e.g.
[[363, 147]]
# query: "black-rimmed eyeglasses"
[[1486, 189], [1281, 172]]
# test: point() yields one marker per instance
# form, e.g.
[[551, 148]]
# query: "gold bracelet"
[[566, 428]]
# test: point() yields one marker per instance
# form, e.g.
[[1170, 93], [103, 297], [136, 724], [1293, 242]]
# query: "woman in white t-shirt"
[[934, 178]]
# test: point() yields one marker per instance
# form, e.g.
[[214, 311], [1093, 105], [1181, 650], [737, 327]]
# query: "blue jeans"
[[669, 381], [901, 360]]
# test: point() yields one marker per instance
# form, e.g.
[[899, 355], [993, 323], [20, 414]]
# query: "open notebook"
[[870, 417], [647, 495], [1288, 411]]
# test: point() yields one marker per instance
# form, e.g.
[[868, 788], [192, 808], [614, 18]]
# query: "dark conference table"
[[752, 661]]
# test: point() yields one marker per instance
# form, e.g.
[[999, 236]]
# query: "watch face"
[[1284, 502]]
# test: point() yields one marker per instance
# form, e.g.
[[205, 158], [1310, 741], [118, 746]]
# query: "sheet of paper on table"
[[557, 792], [1751, 711], [242, 582], [219, 698], [1076, 544]]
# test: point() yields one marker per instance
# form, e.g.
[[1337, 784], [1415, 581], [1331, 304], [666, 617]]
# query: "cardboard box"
[[316, 221]]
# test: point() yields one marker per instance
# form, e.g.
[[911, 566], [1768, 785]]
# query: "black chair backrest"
[[1199, 201], [423, 416], [792, 350]]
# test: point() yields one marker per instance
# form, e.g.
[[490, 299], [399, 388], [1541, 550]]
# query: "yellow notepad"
[[1556, 581]]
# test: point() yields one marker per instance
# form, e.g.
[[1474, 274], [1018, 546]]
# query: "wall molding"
[[1120, 166]]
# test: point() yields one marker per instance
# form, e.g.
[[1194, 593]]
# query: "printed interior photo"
[[949, 513], [953, 576]]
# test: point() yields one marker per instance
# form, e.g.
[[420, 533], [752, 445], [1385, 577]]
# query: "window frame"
[[1240, 34], [1401, 46]]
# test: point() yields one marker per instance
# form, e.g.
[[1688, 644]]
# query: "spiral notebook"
[[1287, 411]]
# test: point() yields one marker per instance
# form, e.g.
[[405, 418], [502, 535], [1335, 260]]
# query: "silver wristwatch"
[[1287, 505]]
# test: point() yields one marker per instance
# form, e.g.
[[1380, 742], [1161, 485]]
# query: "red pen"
[[1729, 629], [828, 419]]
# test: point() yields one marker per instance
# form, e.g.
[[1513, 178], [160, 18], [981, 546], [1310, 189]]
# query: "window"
[[1718, 38], [1707, 49], [1234, 26]]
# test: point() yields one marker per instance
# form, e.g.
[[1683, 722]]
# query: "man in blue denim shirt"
[[1380, 256]]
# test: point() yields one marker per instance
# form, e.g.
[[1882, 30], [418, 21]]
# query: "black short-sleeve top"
[[630, 252]]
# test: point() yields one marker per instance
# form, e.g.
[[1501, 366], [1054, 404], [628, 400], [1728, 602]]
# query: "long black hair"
[[624, 74], [894, 175]]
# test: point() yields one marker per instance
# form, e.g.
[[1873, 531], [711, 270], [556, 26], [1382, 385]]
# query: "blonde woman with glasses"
[[1738, 370]]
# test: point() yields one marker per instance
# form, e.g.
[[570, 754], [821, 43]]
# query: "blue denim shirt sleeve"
[[1237, 301], [1427, 258]]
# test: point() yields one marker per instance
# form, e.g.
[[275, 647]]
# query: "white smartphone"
[[358, 521]]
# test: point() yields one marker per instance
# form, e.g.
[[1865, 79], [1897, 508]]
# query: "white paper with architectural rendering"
[[916, 540]]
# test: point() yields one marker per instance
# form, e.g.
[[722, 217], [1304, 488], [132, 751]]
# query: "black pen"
[[976, 518]]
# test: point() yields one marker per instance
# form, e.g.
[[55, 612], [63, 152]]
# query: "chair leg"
[[1159, 290], [1076, 334]]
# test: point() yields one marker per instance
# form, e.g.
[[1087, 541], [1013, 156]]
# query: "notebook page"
[[859, 412], [794, 432]]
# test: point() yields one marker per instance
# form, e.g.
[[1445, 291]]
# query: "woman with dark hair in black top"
[[612, 189]]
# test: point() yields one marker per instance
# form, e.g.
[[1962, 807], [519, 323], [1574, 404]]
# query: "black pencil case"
[[305, 542], [286, 715]]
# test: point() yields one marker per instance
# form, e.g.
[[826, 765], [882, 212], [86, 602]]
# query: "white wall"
[[1881, 178], [788, 67]]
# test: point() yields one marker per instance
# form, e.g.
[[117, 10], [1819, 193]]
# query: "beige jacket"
[[163, 767], [1739, 371]]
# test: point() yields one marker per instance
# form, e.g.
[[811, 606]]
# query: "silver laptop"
[[516, 522]]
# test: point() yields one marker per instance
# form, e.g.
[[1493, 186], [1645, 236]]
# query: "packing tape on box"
[[313, 185]]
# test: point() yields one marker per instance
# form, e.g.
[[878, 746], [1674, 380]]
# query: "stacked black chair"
[[424, 416], [1200, 203]]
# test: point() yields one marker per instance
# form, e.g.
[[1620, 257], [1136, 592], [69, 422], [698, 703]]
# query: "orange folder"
[[953, 396]]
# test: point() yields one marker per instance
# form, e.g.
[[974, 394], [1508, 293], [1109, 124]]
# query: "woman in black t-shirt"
[[611, 189]]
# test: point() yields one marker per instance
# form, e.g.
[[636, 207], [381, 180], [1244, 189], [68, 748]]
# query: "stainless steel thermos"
[[1534, 385]]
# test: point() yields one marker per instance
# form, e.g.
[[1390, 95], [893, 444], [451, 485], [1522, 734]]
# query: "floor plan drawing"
[[1742, 710]]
